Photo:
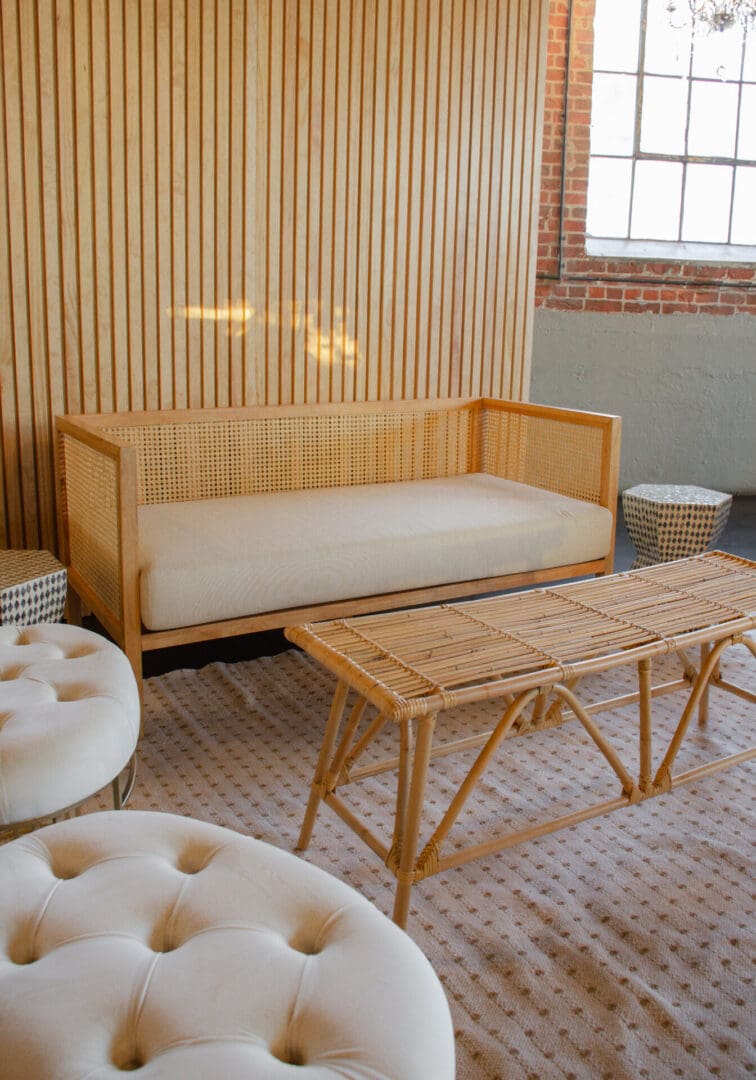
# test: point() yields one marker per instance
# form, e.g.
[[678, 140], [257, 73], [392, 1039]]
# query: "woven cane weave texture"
[[33, 587], [188, 459], [545, 453], [17, 567], [410, 656], [91, 485], [206, 459]]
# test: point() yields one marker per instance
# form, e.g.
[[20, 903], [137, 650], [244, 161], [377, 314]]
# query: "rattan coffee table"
[[530, 650]]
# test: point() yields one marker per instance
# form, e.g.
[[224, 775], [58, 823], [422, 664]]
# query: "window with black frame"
[[672, 170]]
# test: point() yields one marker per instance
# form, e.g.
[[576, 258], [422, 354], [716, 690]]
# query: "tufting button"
[[124, 1054], [192, 862], [14, 672], [129, 1065], [77, 693], [161, 942], [19, 947], [302, 941], [21, 954], [306, 948], [64, 874], [288, 1055]]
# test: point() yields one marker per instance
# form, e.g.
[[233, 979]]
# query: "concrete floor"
[[739, 538]]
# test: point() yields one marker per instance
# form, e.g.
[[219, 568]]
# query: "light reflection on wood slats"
[[236, 201]]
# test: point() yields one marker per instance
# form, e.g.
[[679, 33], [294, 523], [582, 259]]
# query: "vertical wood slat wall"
[[231, 202]]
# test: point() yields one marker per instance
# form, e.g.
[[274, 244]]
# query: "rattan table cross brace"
[[529, 650]]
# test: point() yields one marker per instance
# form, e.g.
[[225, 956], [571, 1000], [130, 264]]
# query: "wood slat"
[[258, 201]]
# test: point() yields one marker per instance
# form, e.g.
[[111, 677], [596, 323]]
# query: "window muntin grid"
[[673, 135]]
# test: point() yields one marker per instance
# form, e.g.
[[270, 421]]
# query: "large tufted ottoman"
[[150, 942], [69, 721]]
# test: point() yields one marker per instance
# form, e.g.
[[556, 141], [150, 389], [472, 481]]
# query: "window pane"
[[656, 200], [706, 215], [717, 54], [713, 116], [616, 30], [667, 39], [744, 207], [749, 67], [747, 140], [664, 112], [613, 114], [608, 197]]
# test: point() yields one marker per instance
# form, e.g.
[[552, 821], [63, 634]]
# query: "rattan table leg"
[[663, 778], [464, 791], [336, 766], [645, 753], [406, 744], [408, 831], [703, 706], [321, 772]]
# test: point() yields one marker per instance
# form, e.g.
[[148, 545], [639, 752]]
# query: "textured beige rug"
[[622, 947]]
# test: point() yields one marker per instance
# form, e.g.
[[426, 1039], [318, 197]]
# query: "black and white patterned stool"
[[673, 521], [32, 588]]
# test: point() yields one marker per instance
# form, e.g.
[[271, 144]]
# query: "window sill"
[[718, 254]]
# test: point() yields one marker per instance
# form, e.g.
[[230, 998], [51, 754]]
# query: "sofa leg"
[[74, 609], [133, 649]]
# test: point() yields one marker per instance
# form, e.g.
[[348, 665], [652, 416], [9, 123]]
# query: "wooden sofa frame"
[[109, 464]]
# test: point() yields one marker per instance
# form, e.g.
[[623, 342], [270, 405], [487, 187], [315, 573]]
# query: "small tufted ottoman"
[[69, 721], [147, 942]]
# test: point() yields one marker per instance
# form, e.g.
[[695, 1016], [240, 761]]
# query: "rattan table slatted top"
[[413, 662]]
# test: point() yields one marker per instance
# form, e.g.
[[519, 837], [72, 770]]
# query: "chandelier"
[[719, 14]]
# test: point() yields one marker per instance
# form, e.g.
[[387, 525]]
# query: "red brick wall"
[[566, 277]]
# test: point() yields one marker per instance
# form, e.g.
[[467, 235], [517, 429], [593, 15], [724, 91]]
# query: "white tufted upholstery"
[[150, 942], [69, 718]]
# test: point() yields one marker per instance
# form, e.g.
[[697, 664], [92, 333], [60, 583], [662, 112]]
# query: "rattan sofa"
[[191, 525]]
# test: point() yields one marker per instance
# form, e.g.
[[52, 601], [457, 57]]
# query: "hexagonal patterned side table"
[[32, 588], [673, 521]]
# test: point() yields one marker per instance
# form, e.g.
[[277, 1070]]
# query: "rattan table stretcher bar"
[[529, 650]]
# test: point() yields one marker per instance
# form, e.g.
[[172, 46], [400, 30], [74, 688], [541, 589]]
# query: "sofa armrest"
[[568, 451], [97, 508]]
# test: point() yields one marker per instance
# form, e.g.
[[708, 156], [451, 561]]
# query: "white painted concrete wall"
[[684, 385]]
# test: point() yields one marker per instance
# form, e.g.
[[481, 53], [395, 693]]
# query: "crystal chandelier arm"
[[720, 14]]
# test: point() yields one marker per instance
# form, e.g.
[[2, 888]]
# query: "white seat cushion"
[[224, 558], [69, 718], [151, 942]]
